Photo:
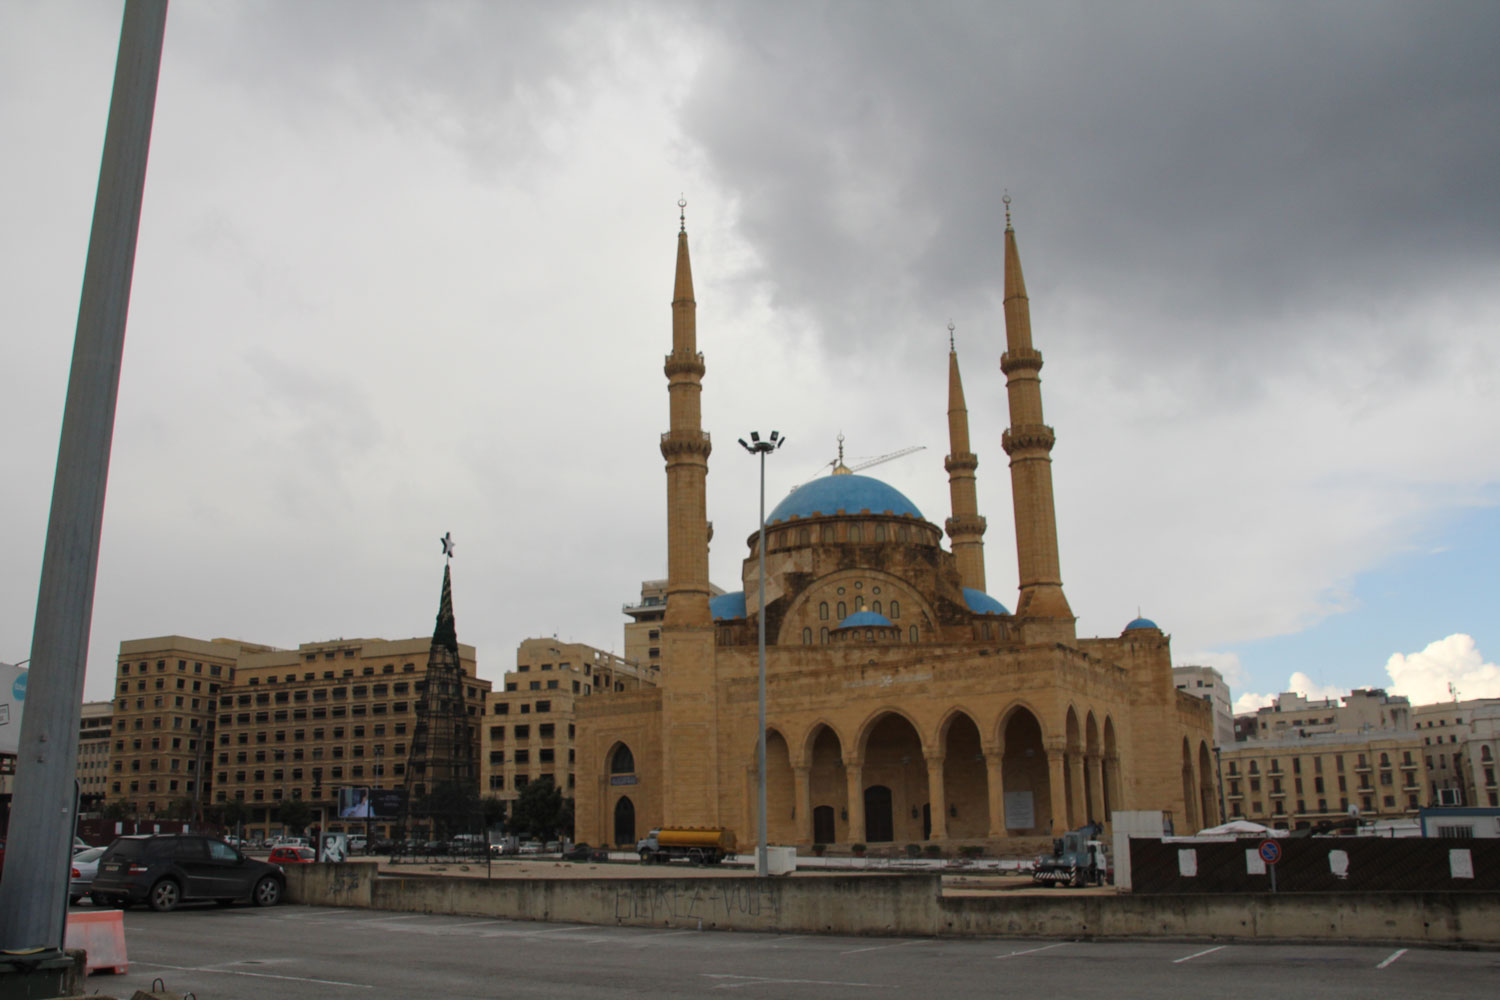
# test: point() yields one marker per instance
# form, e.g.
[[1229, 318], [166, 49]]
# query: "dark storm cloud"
[[1224, 171]]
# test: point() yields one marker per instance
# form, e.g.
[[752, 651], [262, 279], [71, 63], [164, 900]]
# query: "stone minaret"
[[689, 739], [685, 446], [965, 527], [1028, 442]]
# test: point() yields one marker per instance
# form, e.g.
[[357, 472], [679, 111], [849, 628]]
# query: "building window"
[[822, 616]]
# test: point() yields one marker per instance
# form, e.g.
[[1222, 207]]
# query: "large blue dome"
[[983, 604], [727, 606], [851, 494]]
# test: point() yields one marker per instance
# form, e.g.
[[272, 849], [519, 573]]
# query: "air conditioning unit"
[[1450, 797]]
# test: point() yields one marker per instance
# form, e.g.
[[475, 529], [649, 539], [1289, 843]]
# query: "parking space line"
[[761, 980], [1033, 951], [878, 947], [1197, 954], [1392, 957], [255, 975]]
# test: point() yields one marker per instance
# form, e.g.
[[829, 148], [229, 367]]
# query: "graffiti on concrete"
[[709, 901]]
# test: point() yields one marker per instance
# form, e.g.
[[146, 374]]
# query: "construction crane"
[[840, 469]]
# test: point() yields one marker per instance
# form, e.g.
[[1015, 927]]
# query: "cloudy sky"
[[405, 269]]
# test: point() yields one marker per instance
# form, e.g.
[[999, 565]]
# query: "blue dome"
[[866, 619], [851, 494], [727, 606], [1142, 623], [983, 604]]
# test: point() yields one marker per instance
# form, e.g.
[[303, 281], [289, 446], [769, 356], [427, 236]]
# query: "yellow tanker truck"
[[699, 845]]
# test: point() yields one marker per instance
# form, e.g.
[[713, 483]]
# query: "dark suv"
[[167, 869]]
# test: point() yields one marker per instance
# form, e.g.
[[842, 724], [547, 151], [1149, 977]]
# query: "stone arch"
[[1207, 795], [781, 822], [1072, 779], [892, 758], [621, 760], [828, 784], [804, 609], [1026, 777], [1111, 781], [1093, 804], [862, 734], [1189, 791], [965, 799], [1019, 705]]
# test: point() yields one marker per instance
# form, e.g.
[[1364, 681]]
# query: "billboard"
[[359, 802], [12, 700]]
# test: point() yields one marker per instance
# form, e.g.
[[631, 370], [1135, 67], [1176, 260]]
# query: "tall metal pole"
[[762, 448], [33, 896], [762, 863]]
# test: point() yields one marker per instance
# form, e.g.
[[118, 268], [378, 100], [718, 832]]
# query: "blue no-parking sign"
[[1270, 851]]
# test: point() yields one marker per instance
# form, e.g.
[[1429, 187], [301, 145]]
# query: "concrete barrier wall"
[[913, 905]]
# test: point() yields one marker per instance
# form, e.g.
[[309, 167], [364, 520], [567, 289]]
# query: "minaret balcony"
[[678, 443], [962, 462], [684, 364], [1027, 437], [1021, 359]]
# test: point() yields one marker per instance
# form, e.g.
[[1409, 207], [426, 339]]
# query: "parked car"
[[583, 852], [167, 869], [292, 856], [79, 844], [530, 847], [552, 847], [85, 866], [290, 842]]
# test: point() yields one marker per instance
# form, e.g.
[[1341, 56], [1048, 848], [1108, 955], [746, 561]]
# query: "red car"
[[292, 856]]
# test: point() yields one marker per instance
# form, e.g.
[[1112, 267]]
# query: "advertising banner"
[[12, 700], [359, 802], [387, 803], [354, 803]]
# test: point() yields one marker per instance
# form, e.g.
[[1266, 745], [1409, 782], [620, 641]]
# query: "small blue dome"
[[1142, 623], [727, 606], [866, 619], [983, 604], [851, 494]]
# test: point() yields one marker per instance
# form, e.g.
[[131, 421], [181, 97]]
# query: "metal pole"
[[762, 865], [33, 896]]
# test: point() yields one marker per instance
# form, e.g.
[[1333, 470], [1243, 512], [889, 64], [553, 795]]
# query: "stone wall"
[[913, 905]]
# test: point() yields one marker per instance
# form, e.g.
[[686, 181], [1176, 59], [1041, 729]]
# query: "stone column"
[[1093, 767], [937, 799], [1075, 771], [854, 772], [1057, 789], [994, 763], [802, 799]]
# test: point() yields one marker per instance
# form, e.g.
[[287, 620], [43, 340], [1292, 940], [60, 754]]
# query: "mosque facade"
[[904, 703]]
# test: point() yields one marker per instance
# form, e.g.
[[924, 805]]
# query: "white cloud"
[[1424, 677]]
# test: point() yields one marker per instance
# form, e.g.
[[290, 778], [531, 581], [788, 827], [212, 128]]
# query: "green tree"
[[295, 815], [182, 807], [117, 810], [540, 811], [492, 811]]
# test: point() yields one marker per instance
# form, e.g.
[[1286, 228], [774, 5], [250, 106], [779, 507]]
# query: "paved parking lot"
[[308, 951]]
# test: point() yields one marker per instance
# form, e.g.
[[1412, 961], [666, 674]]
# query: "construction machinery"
[[1077, 859]]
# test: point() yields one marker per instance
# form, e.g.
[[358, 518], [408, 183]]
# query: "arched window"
[[854, 533], [804, 536], [823, 636], [828, 534], [895, 608], [823, 611], [1385, 760], [913, 633], [843, 611], [869, 635], [859, 602], [875, 606], [807, 637], [988, 633], [623, 762], [902, 534], [880, 532]]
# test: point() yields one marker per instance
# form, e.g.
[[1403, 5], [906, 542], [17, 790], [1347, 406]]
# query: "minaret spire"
[[1028, 442], [686, 447], [965, 527]]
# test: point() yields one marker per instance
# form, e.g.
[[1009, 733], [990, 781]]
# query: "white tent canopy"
[[1240, 828]]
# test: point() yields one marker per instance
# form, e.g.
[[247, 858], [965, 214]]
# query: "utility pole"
[[34, 895]]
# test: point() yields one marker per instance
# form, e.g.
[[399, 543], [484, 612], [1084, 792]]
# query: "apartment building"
[[1325, 777], [1461, 741], [302, 723], [95, 732], [529, 728], [1291, 714], [166, 694], [1208, 684]]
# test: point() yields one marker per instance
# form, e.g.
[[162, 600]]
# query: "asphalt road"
[[297, 952]]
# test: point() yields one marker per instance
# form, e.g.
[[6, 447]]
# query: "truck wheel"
[[645, 857]]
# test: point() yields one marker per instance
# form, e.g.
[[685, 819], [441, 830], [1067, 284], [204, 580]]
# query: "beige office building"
[[1326, 777], [1461, 741], [95, 733]]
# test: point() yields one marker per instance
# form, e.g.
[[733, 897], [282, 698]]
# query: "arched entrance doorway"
[[965, 782], [625, 822], [825, 829], [829, 788], [879, 822], [1028, 786]]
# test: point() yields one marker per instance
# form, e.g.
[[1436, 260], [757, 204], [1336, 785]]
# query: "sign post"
[[1270, 853]]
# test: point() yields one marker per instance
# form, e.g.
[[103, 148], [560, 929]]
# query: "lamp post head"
[[758, 447]]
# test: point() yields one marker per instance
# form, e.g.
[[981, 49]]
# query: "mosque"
[[904, 703]]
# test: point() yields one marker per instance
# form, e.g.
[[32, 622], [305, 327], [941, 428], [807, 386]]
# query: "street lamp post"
[[762, 448]]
